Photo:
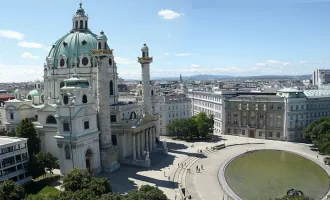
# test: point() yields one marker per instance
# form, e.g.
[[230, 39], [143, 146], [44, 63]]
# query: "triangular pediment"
[[48, 108]]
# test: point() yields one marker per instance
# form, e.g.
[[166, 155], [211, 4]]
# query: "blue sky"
[[236, 37]]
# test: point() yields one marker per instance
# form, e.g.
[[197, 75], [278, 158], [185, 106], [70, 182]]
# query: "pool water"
[[265, 174]]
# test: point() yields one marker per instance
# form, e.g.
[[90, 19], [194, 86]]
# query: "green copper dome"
[[102, 36], [34, 93], [73, 45], [17, 91]]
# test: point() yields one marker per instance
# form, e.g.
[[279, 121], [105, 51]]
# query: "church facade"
[[78, 115]]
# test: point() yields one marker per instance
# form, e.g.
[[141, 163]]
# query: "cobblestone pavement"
[[204, 185]]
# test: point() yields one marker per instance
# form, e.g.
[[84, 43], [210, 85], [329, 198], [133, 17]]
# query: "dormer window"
[[64, 43], [62, 62], [84, 42]]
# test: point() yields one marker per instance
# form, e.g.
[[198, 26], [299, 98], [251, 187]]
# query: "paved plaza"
[[167, 176]]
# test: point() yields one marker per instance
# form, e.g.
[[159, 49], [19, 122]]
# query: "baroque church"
[[78, 115]]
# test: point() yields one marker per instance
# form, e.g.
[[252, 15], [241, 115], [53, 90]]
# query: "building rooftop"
[[317, 93], [289, 90], [4, 140]]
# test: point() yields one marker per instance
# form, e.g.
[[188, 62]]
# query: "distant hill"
[[201, 77]]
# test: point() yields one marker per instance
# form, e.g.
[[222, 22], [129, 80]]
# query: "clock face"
[[110, 61], [84, 61]]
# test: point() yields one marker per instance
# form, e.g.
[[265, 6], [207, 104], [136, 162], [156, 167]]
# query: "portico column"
[[134, 149], [147, 143], [154, 136], [138, 145], [150, 139], [141, 137]]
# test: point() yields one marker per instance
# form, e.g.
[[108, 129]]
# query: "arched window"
[[76, 24], [143, 54], [65, 99], [81, 24], [29, 97], [62, 84], [86, 24], [99, 45], [67, 152], [111, 88], [50, 120], [105, 45], [133, 115], [84, 98]]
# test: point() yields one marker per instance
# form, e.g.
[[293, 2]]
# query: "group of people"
[[199, 169]]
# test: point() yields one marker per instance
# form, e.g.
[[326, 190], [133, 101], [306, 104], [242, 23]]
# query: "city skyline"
[[189, 37]]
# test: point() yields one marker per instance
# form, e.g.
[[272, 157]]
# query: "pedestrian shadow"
[[124, 179]]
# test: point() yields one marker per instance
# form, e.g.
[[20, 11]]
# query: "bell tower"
[[108, 151]]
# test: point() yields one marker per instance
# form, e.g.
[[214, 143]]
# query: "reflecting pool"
[[265, 174]]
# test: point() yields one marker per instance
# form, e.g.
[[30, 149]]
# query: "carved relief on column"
[[134, 146]]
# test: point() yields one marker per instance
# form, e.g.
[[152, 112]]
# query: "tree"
[[26, 129], [35, 168], [318, 132], [100, 186], [4, 132], [147, 192], [294, 198], [46, 160], [203, 124], [9, 190], [76, 180]]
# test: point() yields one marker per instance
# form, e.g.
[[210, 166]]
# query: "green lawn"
[[48, 190]]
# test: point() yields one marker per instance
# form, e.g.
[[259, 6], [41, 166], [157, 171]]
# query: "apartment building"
[[210, 103], [321, 77], [255, 116], [171, 107], [14, 159]]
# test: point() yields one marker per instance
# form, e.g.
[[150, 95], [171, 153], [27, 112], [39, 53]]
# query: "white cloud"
[[184, 54], [303, 62], [194, 65], [35, 45], [29, 56], [125, 61], [169, 14], [20, 73], [166, 54], [11, 34], [272, 63]]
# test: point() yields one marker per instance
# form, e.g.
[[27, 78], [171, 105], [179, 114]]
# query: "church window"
[[84, 61], [110, 61], [86, 24], [11, 115], [29, 97], [86, 125], [66, 126], [84, 98], [76, 24], [67, 152], [114, 140], [50, 120], [113, 118], [99, 46], [62, 62], [81, 24], [111, 88], [36, 117], [42, 98], [62, 84], [65, 99]]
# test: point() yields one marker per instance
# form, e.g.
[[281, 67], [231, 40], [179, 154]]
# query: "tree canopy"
[[318, 132], [9, 190], [198, 126], [81, 185], [26, 129]]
